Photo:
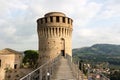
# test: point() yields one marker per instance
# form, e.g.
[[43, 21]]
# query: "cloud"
[[19, 28], [88, 36], [9, 30], [110, 9]]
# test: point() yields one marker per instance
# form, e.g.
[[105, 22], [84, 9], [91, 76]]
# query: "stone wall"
[[16, 74], [9, 59]]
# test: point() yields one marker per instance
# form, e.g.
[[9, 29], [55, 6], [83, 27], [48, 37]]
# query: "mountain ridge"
[[110, 49]]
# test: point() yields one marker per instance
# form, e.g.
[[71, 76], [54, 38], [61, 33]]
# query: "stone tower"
[[54, 33]]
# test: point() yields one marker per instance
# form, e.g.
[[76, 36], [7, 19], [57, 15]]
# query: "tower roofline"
[[54, 14]]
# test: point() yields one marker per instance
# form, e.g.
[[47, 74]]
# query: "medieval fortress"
[[54, 34]]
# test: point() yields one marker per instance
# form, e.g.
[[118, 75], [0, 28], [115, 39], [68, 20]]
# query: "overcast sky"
[[95, 21]]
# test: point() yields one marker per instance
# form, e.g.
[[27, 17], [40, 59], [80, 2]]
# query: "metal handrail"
[[74, 67], [41, 72], [76, 71]]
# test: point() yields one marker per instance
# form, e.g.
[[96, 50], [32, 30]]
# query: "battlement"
[[55, 19]]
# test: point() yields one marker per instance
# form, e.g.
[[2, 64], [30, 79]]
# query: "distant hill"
[[99, 53], [108, 49]]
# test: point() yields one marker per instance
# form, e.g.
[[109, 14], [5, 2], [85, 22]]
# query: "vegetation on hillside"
[[99, 53], [101, 56]]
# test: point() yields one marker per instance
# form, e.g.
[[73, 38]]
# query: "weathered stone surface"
[[9, 59], [55, 33], [63, 71]]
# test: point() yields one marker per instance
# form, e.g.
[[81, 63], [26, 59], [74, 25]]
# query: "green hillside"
[[99, 53]]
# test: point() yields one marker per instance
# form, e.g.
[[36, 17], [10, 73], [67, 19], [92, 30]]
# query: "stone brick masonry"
[[55, 33]]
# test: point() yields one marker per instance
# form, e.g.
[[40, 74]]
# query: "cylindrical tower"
[[54, 33]]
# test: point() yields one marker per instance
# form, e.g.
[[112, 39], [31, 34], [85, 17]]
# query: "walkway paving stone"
[[63, 71]]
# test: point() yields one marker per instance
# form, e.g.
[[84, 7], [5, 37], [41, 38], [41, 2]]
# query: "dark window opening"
[[68, 20], [63, 19], [51, 19], [45, 20], [57, 19], [63, 53], [0, 63], [41, 21], [15, 66]]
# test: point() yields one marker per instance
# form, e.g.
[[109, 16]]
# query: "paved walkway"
[[63, 71]]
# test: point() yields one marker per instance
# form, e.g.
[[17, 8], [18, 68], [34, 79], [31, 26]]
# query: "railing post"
[[29, 77], [51, 70], [40, 74], [78, 70], [46, 74], [48, 67]]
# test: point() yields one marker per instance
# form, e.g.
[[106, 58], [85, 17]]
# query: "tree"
[[30, 57]]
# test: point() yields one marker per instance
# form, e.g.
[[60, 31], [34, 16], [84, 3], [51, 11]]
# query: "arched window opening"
[[15, 66], [62, 43]]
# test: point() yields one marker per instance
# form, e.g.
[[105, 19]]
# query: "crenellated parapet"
[[56, 19]]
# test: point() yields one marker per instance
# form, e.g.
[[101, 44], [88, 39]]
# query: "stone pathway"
[[63, 71]]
